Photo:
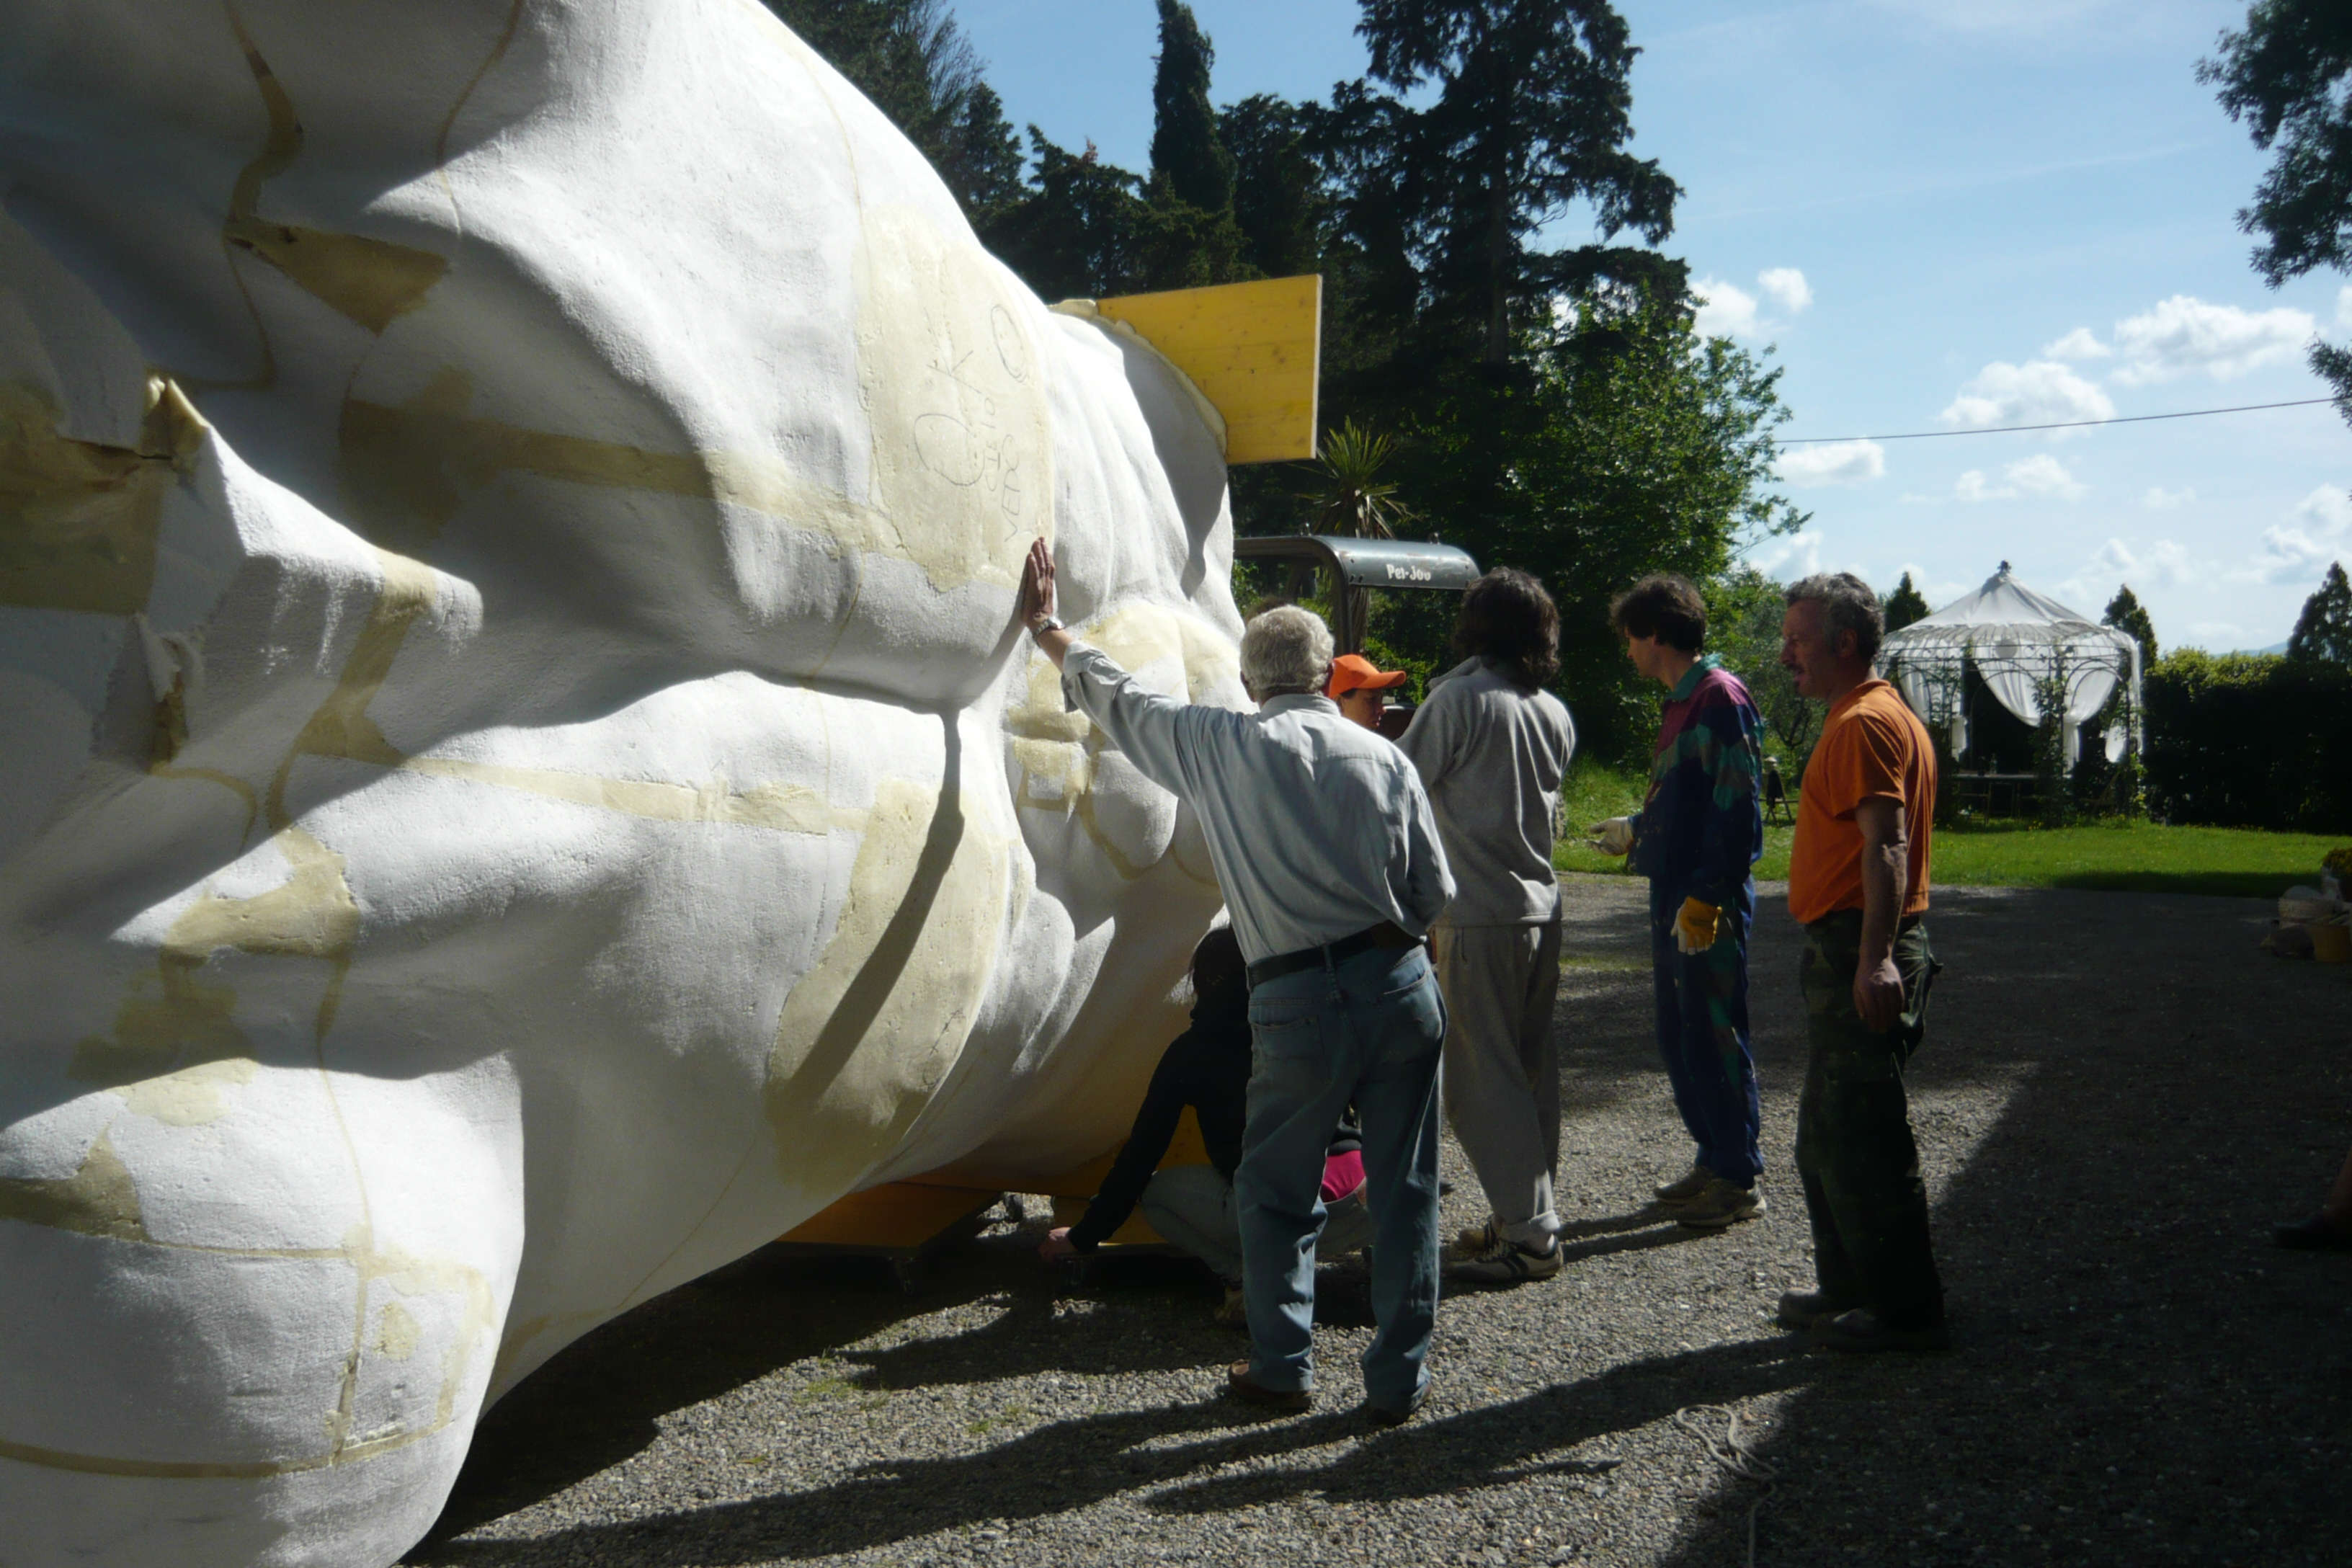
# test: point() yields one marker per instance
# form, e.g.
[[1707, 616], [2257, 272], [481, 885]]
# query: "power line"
[[2063, 424]]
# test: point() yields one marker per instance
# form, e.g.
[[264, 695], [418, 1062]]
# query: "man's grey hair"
[[1285, 650], [1847, 605]]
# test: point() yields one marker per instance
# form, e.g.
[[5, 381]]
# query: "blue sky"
[[1939, 213]]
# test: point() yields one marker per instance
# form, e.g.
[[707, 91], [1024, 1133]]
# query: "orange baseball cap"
[[1354, 672]]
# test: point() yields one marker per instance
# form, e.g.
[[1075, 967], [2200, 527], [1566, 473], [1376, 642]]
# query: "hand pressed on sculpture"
[[1037, 604]]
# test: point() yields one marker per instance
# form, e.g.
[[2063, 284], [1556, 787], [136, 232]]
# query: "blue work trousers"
[[1702, 1034], [1370, 1030]]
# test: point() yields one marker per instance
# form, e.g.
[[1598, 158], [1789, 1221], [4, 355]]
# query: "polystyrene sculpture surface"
[[519, 782]]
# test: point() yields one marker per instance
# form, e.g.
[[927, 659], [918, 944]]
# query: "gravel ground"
[[2117, 1096]]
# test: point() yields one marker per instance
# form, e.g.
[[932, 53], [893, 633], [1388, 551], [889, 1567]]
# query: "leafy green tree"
[[1531, 112], [1904, 605], [1744, 611], [1079, 232], [2125, 612], [1633, 445], [2322, 633], [1282, 203], [2284, 77]]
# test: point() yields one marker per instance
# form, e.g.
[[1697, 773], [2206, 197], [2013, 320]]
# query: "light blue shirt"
[[1316, 826]]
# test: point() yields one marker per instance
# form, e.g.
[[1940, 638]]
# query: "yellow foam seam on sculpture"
[[77, 519], [908, 962]]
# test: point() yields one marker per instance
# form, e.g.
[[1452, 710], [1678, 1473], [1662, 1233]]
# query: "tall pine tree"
[[1187, 153], [2322, 633], [2126, 614], [1531, 113], [1904, 605]]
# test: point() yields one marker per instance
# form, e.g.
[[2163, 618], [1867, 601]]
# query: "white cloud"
[[1789, 557], [1728, 310], [2040, 392], [2164, 564], [1786, 287], [1724, 310], [2040, 475], [2183, 335], [2318, 530], [2158, 498], [2076, 345], [1834, 463], [2344, 306], [2329, 508], [2168, 563]]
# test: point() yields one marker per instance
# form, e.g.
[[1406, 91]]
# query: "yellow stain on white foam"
[[1055, 748], [79, 519], [99, 1199], [955, 399], [867, 1035]]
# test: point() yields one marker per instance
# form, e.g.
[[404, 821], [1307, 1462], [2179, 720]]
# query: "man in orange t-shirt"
[[1858, 884]]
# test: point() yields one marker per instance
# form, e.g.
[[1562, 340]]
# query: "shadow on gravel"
[[1071, 1464], [1495, 1444], [597, 1403], [2139, 1376]]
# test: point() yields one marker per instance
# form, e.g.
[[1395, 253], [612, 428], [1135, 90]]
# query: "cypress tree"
[[1186, 151], [2125, 612]]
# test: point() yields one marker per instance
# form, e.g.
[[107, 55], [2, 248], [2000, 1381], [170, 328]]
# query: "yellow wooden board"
[[1255, 350]]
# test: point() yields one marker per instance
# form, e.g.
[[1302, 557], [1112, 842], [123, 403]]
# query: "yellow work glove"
[[1694, 928], [1614, 837]]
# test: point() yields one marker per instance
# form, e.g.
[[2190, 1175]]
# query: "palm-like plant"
[[1350, 497]]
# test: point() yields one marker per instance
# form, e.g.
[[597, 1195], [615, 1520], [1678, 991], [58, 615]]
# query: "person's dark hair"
[[1506, 616], [1663, 607], [1847, 605], [1220, 977]]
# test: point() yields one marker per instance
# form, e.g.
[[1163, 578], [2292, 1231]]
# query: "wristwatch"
[[1050, 624]]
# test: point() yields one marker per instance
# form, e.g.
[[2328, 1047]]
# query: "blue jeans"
[[1192, 1208], [1703, 1034], [1370, 1030]]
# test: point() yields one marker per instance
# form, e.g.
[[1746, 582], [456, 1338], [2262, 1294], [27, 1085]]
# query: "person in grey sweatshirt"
[[1491, 746]]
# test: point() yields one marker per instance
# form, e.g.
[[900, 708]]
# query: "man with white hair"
[[1324, 843]]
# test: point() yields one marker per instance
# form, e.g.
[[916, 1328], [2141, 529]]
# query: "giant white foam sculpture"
[[516, 781]]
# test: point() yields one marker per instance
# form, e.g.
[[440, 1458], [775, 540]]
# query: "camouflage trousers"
[[1854, 1149]]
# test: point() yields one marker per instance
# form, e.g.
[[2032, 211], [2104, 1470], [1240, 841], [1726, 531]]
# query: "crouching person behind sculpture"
[[1330, 859]]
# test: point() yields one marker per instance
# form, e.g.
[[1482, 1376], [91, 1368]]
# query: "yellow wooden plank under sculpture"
[[903, 1216], [1255, 350]]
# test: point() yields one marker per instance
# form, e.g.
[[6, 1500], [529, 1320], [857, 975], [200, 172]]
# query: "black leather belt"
[[1388, 933]]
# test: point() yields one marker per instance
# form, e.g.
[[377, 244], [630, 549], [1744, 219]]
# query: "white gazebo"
[[2015, 639]]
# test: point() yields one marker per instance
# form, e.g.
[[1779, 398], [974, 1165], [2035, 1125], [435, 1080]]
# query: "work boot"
[[1860, 1332], [1684, 1188], [1720, 1204], [1800, 1310]]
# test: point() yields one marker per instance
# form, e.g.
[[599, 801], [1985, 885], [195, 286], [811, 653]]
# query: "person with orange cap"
[[1361, 687]]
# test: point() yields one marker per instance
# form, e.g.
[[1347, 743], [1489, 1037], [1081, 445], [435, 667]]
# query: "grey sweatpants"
[[1502, 1065]]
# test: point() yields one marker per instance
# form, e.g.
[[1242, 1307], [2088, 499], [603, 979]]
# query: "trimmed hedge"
[[2247, 739]]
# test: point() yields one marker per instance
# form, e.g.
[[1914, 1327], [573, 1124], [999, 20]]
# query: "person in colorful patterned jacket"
[[1698, 831]]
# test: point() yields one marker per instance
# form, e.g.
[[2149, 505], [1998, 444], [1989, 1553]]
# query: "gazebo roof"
[[2004, 611]]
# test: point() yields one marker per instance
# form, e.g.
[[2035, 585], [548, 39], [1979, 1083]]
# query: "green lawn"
[[2130, 856]]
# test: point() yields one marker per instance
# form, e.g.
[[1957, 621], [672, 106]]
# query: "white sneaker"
[[1507, 1262]]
